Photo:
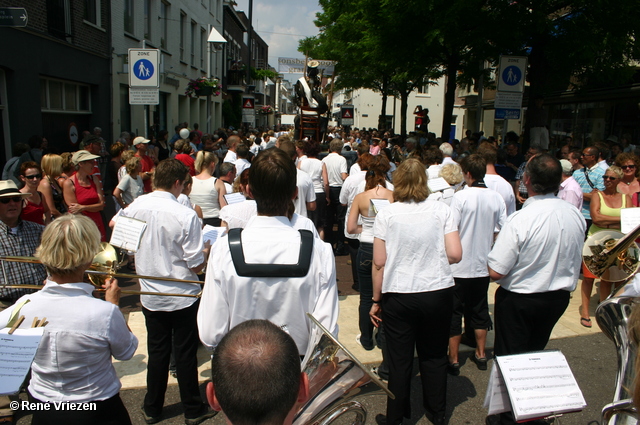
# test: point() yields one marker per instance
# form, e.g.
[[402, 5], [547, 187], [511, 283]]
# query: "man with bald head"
[[254, 353], [232, 143]]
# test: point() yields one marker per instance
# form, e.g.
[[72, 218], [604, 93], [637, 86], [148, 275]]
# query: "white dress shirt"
[[414, 239], [73, 361], [355, 168], [313, 167], [571, 192], [478, 212], [500, 185], [229, 299], [241, 165], [336, 166], [306, 192], [539, 249], [170, 247], [231, 157]]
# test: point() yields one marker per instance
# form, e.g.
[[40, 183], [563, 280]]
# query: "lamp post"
[[214, 40]]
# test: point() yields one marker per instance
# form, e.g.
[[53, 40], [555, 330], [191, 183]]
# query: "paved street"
[[590, 354]]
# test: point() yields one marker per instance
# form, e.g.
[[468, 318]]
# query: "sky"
[[281, 24]]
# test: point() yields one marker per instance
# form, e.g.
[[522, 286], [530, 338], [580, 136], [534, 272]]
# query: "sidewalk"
[[132, 373]]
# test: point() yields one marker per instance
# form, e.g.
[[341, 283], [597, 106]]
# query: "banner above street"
[[296, 66]]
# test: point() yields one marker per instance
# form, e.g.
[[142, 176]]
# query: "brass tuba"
[[614, 257], [335, 378]]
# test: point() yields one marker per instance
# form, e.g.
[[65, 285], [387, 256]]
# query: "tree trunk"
[[404, 96], [449, 98], [382, 119], [537, 77]]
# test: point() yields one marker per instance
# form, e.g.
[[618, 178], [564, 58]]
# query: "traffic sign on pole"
[[13, 17], [346, 114], [143, 68], [512, 71]]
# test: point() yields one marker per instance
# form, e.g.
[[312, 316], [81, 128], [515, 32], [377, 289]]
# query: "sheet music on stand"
[[17, 352], [211, 234], [234, 198], [376, 205], [127, 233], [533, 385]]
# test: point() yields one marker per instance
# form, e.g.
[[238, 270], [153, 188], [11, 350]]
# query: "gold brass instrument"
[[335, 378], [614, 257], [105, 264]]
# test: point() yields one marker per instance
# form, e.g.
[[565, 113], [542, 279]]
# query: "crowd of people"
[[422, 257]]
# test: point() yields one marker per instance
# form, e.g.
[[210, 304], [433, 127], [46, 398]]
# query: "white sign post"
[[508, 101], [143, 76]]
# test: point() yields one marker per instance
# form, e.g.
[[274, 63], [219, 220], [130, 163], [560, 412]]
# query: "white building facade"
[[180, 29]]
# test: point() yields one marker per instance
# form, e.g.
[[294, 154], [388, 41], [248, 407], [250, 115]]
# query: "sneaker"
[[360, 343], [208, 413], [480, 362], [150, 419], [380, 374], [453, 369], [173, 373]]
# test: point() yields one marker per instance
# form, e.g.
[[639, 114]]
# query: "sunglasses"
[[33, 176], [609, 178], [13, 199], [628, 167]]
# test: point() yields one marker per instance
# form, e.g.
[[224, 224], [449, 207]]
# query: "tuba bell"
[[335, 378]]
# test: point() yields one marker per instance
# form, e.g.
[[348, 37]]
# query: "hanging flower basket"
[[266, 110], [203, 87]]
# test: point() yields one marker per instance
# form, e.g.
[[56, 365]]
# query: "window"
[[164, 15], [424, 89], [59, 19], [128, 17], [203, 46], [92, 12], [64, 96], [183, 24], [194, 27], [147, 19]]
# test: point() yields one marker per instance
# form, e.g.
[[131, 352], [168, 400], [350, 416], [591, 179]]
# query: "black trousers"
[[524, 323], [417, 321], [161, 326], [335, 214], [108, 412]]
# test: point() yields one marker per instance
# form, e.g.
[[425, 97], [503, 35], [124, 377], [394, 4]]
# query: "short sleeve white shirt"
[[313, 167], [336, 166], [477, 212], [231, 157], [414, 240], [539, 249], [306, 192], [73, 361], [170, 247], [500, 185], [229, 299], [571, 192]]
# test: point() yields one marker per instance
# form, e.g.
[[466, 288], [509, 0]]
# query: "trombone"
[[105, 264]]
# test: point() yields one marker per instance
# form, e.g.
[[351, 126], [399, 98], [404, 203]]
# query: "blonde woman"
[[49, 188], [207, 191], [73, 362]]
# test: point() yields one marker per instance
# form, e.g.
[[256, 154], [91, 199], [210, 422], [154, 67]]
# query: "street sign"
[[512, 72], [143, 68], [508, 100], [144, 96], [507, 114], [346, 112], [13, 17], [248, 103]]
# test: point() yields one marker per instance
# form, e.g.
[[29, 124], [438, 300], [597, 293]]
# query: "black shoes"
[[150, 419], [208, 413], [453, 369], [480, 362]]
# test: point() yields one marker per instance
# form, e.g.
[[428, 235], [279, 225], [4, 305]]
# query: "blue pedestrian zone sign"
[[507, 114], [511, 75], [143, 69]]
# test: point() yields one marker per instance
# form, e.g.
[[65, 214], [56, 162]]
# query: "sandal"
[[585, 322]]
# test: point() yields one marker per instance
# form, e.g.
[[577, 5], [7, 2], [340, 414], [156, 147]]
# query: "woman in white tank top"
[[208, 192]]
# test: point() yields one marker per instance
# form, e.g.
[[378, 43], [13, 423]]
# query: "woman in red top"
[[83, 192], [34, 207], [183, 147]]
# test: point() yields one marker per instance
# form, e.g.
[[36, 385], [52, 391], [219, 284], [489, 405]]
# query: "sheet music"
[[629, 219], [540, 384], [437, 184], [127, 233], [211, 234], [496, 399], [234, 198], [376, 205], [17, 351]]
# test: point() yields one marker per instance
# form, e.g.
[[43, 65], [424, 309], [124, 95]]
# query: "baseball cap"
[[139, 140]]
